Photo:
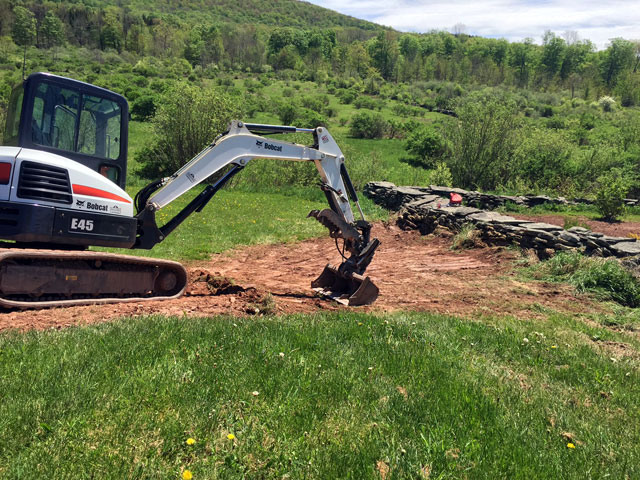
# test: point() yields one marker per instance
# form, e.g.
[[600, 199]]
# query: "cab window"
[[66, 120], [13, 117]]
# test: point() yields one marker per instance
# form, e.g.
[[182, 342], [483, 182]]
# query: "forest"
[[559, 117]]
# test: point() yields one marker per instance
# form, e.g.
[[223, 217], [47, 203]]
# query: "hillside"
[[281, 13]]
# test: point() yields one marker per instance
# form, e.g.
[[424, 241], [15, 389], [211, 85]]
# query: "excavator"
[[62, 189]]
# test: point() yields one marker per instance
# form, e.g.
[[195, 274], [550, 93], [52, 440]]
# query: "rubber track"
[[9, 255]]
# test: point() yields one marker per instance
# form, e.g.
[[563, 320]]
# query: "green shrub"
[[612, 189], [188, 117], [542, 160], [316, 102], [287, 112], [441, 175], [365, 102], [346, 96], [368, 125], [556, 123], [483, 141], [307, 118], [426, 146], [607, 103], [143, 108]]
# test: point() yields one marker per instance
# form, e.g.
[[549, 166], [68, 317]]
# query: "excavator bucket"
[[347, 288]]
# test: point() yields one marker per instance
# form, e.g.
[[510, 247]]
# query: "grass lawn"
[[236, 217], [571, 212], [320, 396]]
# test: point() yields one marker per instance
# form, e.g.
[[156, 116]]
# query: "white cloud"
[[595, 20]]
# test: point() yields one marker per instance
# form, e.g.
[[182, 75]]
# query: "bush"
[[543, 160], [346, 96], [287, 112], [607, 103], [483, 141], [441, 176], [426, 146], [365, 102], [310, 119], [143, 108], [612, 189], [188, 117], [368, 125]]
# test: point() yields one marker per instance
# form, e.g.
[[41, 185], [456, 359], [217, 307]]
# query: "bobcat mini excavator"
[[62, 179]]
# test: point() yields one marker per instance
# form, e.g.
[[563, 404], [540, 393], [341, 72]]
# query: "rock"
[[425, 199], [409, 191], [605, 240], [579, 230], [625, 249], [569, 238], [464, 211], [541, 234], [544, 226]]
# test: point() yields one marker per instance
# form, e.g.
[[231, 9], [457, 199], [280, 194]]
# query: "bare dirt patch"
[[413, 273]]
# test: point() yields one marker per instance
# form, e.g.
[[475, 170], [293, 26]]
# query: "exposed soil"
[[613, 229], [413, 273]]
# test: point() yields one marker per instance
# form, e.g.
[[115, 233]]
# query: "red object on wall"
[[455, 199]]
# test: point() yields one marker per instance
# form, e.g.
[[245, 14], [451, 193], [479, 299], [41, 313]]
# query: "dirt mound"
[[413, 273]]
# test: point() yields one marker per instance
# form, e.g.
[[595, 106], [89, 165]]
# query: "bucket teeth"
[[347, 288]]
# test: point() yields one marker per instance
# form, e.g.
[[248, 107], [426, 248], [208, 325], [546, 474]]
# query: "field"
[[478, 363], [469, 365], [466, 367]]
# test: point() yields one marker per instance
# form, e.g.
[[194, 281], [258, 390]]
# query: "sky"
[[595, 20]]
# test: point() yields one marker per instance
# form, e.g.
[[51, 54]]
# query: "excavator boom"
[[235, 149]]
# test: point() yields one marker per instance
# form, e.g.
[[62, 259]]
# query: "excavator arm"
[[236, 148]]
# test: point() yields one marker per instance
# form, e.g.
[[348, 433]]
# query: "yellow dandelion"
[[359, 324], [187, 475], [570, 445], [231, 436], [191, 441], [554, 346]]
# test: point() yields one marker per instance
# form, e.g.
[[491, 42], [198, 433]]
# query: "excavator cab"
[[76, 120]]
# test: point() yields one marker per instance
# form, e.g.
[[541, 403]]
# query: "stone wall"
[[471, 198], [422, 209]]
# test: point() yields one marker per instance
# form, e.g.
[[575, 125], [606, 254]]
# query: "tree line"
[[361, 51]]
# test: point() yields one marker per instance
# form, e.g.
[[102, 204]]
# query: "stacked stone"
[[424, 212], [488, 201]]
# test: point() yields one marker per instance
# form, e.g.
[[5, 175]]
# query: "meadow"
[[347, 394]]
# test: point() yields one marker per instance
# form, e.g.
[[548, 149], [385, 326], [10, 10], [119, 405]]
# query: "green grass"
[[605, 278], [570, 212], [235, 218], [336, 394]]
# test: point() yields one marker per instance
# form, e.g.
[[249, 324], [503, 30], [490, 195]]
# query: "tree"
[[521, 57], [23, 31], [384, 53], [111, 32], [52, 30], [612, 189], [619, 55], [553, 52], [188, 117]]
